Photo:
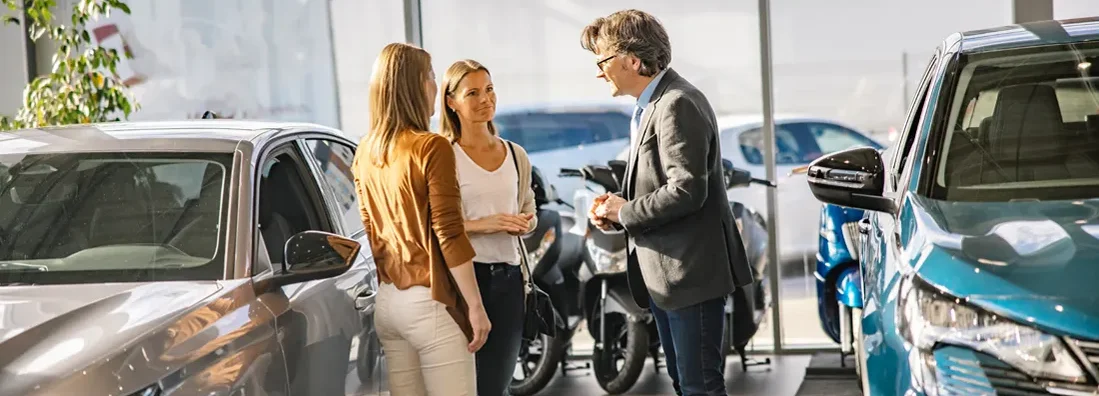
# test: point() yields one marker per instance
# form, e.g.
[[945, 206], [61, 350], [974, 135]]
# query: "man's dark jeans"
[[502, 294], [691, 338]]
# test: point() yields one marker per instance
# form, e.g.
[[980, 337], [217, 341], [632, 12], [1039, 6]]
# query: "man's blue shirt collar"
[[643, 99]]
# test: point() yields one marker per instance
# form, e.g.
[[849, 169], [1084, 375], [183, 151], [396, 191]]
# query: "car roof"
[[1028, 35], [188, 135]]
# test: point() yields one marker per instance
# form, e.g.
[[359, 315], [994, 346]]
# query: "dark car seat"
[[198, 231], [117, 207], [1028, 140], [275, 227]]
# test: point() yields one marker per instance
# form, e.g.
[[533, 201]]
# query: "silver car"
[[206, 257]]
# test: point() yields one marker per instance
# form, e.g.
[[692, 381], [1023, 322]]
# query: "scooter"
[[624, 333], [555, 257], [839, 283]]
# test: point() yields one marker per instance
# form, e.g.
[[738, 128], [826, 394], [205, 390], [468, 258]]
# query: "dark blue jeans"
[[502, 293], [691, 338]]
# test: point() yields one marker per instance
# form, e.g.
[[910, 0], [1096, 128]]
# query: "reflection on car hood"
[[1032, 261], [49, 332]]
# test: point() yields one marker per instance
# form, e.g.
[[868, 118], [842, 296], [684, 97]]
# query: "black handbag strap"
[[519, 197]]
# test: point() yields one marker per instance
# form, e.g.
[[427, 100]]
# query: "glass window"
[[334, 160], [286, 202], [801, 143], [789, 152], [831, 138], [1038, 134], [93, 217], [190, 56], [549, 131]]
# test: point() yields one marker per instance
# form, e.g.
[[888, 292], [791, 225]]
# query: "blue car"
[[839, 284], [979, 250]]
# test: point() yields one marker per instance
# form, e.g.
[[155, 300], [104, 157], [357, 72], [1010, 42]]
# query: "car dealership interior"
[[916, 184]]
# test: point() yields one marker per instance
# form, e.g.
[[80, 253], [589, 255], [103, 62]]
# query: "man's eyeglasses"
[[600, 63]]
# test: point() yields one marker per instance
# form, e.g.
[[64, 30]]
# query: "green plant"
[[83, 85]]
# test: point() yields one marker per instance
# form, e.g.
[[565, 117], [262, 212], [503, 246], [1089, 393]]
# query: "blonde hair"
[[450, 126], [398, 100]]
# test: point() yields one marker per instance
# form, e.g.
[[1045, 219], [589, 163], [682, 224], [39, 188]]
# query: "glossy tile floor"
[[781, 378]]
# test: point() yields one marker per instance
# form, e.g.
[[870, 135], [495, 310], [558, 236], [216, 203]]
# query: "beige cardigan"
[[526, 190]]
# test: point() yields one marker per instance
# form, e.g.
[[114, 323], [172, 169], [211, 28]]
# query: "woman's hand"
[[509, 223], [478, 318], [526, 217]]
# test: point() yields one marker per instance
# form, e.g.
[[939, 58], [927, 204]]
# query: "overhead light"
[[1083, 65]]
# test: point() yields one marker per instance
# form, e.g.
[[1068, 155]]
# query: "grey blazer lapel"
[[645, 128]]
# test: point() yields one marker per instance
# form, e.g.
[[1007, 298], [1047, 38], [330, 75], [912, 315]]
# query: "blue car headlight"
[[928, 317]]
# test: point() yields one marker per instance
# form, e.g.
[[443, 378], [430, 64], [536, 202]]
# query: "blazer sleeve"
[[445, 202], [684, 135], [526, 190]]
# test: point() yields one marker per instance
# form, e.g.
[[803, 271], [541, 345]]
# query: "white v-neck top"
[[485, 193]]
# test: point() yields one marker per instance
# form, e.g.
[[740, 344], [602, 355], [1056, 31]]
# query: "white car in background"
[[799, 141]]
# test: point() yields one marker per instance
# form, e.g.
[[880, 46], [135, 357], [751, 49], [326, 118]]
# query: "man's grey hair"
[[630, 32]]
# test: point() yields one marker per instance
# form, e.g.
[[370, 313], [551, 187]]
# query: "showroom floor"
[[781, 378]]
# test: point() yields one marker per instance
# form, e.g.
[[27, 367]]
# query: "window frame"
[[327, 190], [916, 113], [291, 147]]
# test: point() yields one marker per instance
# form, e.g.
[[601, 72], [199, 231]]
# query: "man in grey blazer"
[[685, 252]]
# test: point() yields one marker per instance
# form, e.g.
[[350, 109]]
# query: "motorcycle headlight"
[[606, 262], [929, 317], [535, 256]]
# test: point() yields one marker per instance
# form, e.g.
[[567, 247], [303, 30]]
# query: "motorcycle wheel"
[[538, 361], [619, 363]]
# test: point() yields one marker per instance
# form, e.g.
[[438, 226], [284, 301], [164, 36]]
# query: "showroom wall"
[[270, 59], [843, 59], [13, 64]]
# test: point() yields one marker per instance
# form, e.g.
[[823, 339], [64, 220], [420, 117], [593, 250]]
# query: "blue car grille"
[[961, 371]]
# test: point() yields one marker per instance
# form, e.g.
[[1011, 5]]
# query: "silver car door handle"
[[365, 299]]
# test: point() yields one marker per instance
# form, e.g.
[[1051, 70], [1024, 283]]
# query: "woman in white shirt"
[[494, 176]]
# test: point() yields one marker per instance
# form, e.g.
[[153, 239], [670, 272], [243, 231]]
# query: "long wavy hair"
[[398, 99]]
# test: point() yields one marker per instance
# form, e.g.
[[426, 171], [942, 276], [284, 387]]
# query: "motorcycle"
[[555, 257], [625, 334], [839, 284]]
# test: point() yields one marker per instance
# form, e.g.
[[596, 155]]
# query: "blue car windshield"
[[1022, 126], [111, 217]]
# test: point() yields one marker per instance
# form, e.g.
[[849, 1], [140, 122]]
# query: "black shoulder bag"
[[540, 317]]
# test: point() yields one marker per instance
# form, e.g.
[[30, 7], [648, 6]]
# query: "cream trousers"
[[425, 351]]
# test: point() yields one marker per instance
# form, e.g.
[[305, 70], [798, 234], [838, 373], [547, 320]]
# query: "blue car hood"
[[1034, 262]]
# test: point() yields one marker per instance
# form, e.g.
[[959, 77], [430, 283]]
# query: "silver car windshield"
[[1023, 125], [111, 217]]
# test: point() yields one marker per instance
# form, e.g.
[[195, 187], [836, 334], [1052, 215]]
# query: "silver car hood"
[[107, 338]]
